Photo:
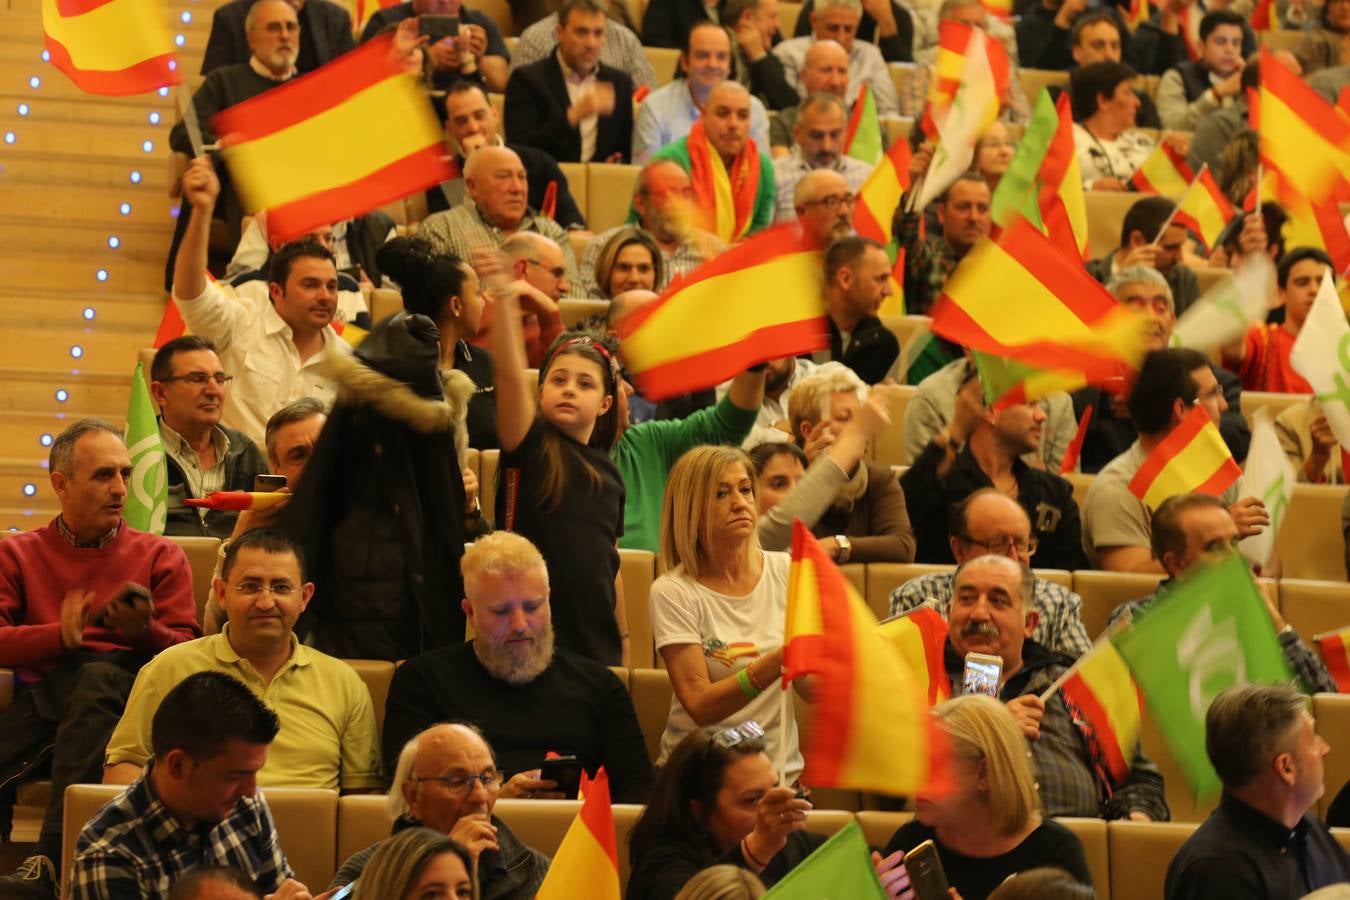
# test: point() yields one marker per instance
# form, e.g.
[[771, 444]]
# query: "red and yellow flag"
[[1102, 692], [919, 635], [335, 143], [1192, 459], [1204, 210], [725, 200], [1335, 647], [692, 336], [869, 728], [1063, 318], [1003, 9], [1165, 172], [949, 67], [1138, 15], [862, 139], [111, 47], [874, 213], [1302, 136], [587, 861], [238, 500], [1263, 16], [1063, 206]]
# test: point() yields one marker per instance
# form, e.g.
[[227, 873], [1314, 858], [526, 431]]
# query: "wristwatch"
[[845, 548]]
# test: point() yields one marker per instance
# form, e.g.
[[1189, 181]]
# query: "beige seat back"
[[637, 568], [664, 61], [577, 176], [306, 820], [202, 553], [610, 190], [573, 311], [651, 690], [377, 675], [362, 820], [1332, 712], [1106, 213], [889, 447], [82, 801], [1102, 592], [1310, 543], [1091, 833], [1140, 853], [1315, 607]]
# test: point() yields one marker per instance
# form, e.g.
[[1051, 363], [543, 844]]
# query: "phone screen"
[[981, 675]]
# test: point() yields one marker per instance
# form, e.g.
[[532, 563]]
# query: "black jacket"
[[379, 512], [243, 463], [897, 48], [325, 33], [667, 23], [871, 352], [536, 112], [1046, 497]]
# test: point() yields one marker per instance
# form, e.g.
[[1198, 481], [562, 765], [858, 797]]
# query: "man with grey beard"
[[989, 615], [527, 698]]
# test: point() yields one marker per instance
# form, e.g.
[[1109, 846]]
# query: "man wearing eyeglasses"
[[190, 388], [328, 738], [447, 780], [818, 144], [1116, 522], [540, 271]]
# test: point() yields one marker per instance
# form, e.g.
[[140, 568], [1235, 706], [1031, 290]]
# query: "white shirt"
[[256, 347], [732, 632], [577, 86]]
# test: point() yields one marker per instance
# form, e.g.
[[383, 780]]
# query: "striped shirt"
[[136, 847]]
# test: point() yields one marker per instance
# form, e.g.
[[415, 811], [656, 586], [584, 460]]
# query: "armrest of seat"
[[6, 688]]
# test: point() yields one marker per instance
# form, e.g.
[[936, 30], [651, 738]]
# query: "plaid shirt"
[[1069, 781], [1060, 627], [135, 847], [929, 261], [464, 228], [1304, 663]]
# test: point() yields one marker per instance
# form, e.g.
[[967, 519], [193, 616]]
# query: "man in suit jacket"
[[325, 33], [570, 104]]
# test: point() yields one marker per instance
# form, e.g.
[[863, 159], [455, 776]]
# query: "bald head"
[[824, 206], [825, 69], [272, 30], [494, 179], [991, 522], [447, 750], [726, 119]]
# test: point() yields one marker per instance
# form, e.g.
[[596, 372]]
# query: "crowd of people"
[[382, 549]]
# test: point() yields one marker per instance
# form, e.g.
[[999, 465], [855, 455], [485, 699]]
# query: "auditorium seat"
[[362, 820], [1281, 39], [637, 568], [1314, 607], [1210, 276], [1092, 834], [1332, 712], [788, 14], [377, 674], [487, 483], [651, 690], [202, 553], [1269, 400], [856, 573], [6, 688], [826, 822], [1106, 212], [878, 827], [1140, 853], [1081, 483], [609, 191], [577, 175], [1033, 80], [384, 302], [901, 73], [889, 447], [1102, 592], [664, 61], [573, 311], [1310, 543]]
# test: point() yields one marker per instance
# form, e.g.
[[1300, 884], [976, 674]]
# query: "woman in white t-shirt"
[[717, 613], [1109, 148]]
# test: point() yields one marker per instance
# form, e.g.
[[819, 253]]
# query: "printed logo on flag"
[[149, 481]]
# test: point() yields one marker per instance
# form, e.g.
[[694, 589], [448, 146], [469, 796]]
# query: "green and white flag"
[[147, 504], [839, 869], [1207, 633]]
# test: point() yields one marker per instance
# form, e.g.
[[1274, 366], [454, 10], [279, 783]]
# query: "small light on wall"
[[114, 241], [35, 82], [135, 176], [29, 489], [101, 274], [62, 395], [186, 17], [46, 440], [154, 118], [88, 313], [179, 40], [76, 351], [148, 146], [125, 209], [164, 92], [10, 137], [23, 109], [46, 56]]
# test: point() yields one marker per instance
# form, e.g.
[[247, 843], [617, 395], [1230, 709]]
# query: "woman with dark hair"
[[417, 864], [1110, 148], [1328, 44], [629, 261], [717, 802]]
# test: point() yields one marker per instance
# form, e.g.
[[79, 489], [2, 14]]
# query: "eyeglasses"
[[1213, 393], [463, 782], [833, 201], [727, 738], [1000, 545], [199, 379], [280, 589], [558, 272]]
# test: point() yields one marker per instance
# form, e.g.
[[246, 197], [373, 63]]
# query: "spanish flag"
[[1302, 137], [1101, 693], [1043, 183], [919, 635], [1003, 9], [1007, 382], [335, 143], [238, 500], [587, 861], [1063, 318], [1139, 13], [862, 140], [874, 214], [1335, 647], [869, 728], [950, 68], [1203, 209], [111, 47], [1192, 459], [760, 300], [1165, 172], [1263, 16]]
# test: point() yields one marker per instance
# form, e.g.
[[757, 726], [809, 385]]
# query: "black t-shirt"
[[976, 877], [577, 537], [575, 707]]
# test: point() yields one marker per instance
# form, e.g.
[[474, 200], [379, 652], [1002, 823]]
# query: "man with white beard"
[[526, 697]]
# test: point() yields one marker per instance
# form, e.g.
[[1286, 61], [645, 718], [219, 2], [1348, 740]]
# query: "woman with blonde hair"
[[417, 864], [723, 882], [717, 612], [988, 826]]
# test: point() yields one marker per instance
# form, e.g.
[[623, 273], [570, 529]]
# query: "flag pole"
[[1182, 199], [1119, 625], [782, 733]]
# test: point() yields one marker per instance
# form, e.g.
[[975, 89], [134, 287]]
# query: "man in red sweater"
[[73, 634]]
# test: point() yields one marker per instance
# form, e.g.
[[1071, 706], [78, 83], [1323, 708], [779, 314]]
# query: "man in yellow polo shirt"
[[328, 737]]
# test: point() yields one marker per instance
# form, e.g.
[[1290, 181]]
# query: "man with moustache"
[[988, 614], [525, 696], [824, 203], [818, 145], [1110, 431]]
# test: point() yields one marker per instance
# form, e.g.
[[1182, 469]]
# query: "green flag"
[[148, 494], [1209, 632], [862, 140], [1018, 191], [839, 869]]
